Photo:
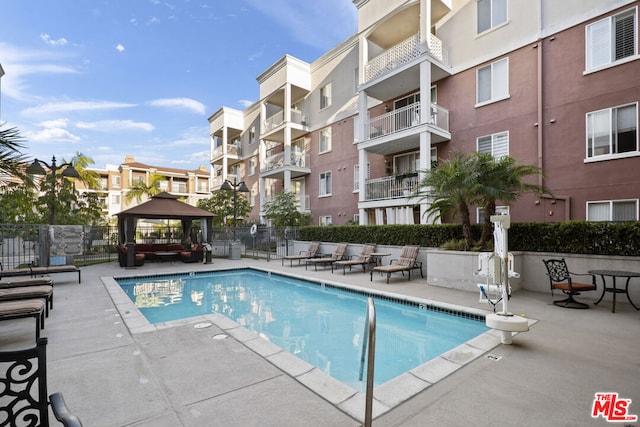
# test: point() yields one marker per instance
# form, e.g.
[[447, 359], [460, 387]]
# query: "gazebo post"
[[129, 230]]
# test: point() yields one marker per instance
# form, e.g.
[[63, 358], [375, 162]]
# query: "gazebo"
[[162, 206]]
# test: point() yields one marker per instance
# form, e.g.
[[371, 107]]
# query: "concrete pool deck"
[[180, 375]]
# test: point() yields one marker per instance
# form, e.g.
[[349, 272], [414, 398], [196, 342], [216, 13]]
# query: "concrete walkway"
[[113, 372]]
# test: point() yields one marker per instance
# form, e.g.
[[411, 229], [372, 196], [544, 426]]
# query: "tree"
[[220, 204], [91, 178], [283, 211], [141, 189], [451, 188], [11, 159], [503, 180]]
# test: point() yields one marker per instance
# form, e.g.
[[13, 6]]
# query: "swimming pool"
[[319, 323]]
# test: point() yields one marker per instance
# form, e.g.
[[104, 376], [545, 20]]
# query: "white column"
[[425, 135], [287, 137], [225, 160]]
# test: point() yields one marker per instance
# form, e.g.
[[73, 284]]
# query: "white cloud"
[[186, 103], [57, 123], [48, 40], [115, 125], [120, 47], [52, 135], [59, 107]]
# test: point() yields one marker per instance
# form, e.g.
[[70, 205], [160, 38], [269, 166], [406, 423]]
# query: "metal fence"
[[31, 244]]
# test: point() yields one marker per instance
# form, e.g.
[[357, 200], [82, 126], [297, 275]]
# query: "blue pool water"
[[320, 324]]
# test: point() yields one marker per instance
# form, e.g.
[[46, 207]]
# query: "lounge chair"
[[337, 255], [406, 262], [12, 282], [25, 308], [29, 292], [363, 259], [309, 253], [24, 396], [39, 271]]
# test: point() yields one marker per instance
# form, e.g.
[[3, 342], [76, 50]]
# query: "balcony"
[[405, 118], [298, 160], [403, 53], [234, 150], [217, 181], [391, 187], [303, 202]]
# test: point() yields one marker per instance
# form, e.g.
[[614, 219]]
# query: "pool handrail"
[[369, 337]]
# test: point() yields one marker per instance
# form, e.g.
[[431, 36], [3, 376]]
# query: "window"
[[103, 183], [406, 163], [493, 82], [356, 219], [500, 210], [115, 181], [325, 96], [252, 135], [115, 199], [325, 140], [611, 39], [612, 131], [164, 185], [252, 167], [324, 220], [325, 184], [613, 210], [497, 144], [356, 176], [491, 13]]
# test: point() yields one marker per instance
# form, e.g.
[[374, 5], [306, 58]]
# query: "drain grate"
[[493, 357]]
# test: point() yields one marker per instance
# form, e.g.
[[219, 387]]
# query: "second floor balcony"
[[405, 118], [234, 150], [297, 160], [391, 187]]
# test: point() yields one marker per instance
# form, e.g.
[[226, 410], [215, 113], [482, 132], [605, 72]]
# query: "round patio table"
[[613, 274]]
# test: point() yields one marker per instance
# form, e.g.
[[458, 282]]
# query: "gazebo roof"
[[165, 206]]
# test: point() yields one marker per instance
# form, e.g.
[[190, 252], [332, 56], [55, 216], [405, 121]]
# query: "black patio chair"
[[561, 278], [23, 391]]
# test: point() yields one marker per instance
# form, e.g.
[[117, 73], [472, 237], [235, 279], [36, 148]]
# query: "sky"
[[110, 78]]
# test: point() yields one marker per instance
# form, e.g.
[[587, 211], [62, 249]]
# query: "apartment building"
[[116, 182], [553, 84]]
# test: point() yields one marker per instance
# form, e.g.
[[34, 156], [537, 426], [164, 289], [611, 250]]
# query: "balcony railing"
[[404, 118], [232, 150], [300, 160], [404, 52], [303, 201], [277, 119], [391, 187], [217, 181]]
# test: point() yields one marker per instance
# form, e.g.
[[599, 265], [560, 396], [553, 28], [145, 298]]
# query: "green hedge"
[[577, 237]]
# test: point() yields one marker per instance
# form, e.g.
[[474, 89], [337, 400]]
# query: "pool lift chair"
[[502, 320], [489, 267]]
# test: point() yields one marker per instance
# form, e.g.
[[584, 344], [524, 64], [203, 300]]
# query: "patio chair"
[[561, 278], [40, 271], [363, 259], [10, 310], [23, 376], [406, 262], [18, 293], [337, 255], [311, 252]]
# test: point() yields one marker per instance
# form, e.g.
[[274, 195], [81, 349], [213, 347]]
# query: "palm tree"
[[451, 188], [501, 179], [91, 178], [140, 188], [12, 161]]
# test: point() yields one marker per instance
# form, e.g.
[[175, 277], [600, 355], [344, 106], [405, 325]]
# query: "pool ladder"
[[369, 338]]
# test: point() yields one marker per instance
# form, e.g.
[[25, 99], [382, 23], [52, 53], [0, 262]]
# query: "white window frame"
[[252, 167], [324, 140], [499, 82], [611, 203], [600, 42], [499, 144], [324, 220], [325, 184], [116, 181], [325, 96], [115, 199], [500, 210], [497, 17], [610, 114]]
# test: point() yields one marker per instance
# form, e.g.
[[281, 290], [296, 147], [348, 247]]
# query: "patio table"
[[613, 289]]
